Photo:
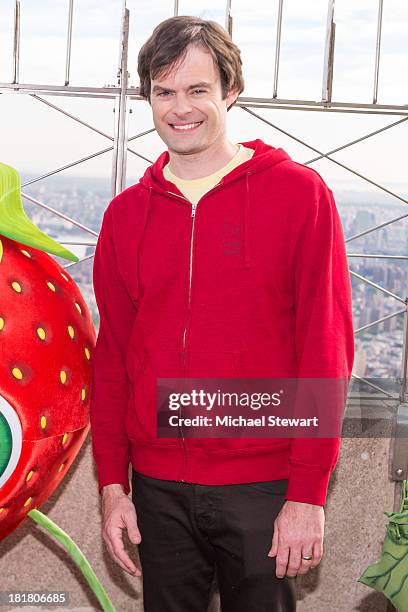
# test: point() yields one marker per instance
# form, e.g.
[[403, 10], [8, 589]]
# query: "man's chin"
[[185, 148]]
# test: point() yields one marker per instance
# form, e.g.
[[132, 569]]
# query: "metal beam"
[[310, 104], [66, 166], [79, 243], [374, 386], [94, 129], [345, 111], [59, 214], [120, 138], [69, 41], [357, 140], [399, 464], [74, 117], [76, 163], [267, 103], [372, 284], [75, 263], [399, 449], [16, 43], [54, 89], [375, 256], [404, 362], [277, 49], [376, 227], [228, 17], [377, 50], [328, 54], [376, 322], [86, 158]]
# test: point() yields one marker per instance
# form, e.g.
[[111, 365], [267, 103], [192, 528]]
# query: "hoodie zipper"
[[193, 214], [183, 441], [193, 211]]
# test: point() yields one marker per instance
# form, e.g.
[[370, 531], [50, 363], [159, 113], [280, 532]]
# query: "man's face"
[[188, 110]]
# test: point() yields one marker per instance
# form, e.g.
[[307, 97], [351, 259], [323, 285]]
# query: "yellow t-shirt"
[[194, 189]]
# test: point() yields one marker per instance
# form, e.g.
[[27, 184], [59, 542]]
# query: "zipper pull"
[[193, 210]]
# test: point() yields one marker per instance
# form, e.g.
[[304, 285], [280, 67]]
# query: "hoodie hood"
[[265, 156]]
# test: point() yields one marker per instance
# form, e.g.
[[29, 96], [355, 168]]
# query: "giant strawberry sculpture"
[[46, 344]]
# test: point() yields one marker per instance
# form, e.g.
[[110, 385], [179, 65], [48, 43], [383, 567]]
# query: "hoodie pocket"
[[141, 420]]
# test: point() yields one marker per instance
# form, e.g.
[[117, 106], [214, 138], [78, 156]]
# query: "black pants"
[[191, 531]]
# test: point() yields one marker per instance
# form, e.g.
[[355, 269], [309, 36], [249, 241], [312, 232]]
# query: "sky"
[[35, 139]]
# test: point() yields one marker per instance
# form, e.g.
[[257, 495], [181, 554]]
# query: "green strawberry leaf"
[[390, 574], [15, 224]]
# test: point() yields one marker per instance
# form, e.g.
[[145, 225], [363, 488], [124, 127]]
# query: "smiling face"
[[189, 112]]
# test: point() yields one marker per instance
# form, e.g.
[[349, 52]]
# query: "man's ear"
[[231, 98]]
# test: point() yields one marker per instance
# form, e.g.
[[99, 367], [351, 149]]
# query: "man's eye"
[[163, 94], [198, 91]]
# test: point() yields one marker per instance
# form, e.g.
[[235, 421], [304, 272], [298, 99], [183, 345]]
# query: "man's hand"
[[118, 512], [298, 532]]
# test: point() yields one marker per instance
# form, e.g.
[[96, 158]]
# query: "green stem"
[[15, 224], [77, 555]]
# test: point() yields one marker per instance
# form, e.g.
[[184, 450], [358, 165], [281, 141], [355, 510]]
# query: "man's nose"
[[182, 105]]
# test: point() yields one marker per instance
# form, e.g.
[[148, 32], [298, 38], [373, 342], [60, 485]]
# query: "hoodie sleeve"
[[323, 335], [111, 390]]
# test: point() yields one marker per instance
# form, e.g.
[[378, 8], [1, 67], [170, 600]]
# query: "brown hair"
[[167, 47]]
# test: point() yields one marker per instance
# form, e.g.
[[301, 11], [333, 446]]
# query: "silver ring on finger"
[[307, 558]]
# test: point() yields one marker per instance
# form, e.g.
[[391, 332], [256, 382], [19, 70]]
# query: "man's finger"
[[274, 548], [118, 561], [135, 572], [124, 558], [317, 553], [119, 550], [306, 564], [127, 566], [282, 560], [132, 529], [294, 561]]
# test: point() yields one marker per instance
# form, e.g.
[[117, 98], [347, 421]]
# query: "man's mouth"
[[186, 126]]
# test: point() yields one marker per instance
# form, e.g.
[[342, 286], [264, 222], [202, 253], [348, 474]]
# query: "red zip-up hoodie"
[[252, 281]]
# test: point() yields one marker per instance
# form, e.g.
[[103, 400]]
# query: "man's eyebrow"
[[201, 84], [158, 88]]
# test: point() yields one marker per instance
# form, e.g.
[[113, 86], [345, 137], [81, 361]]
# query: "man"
[[225, 260]]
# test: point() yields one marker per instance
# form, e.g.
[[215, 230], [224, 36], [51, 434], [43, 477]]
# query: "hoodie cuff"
[[113, 475], [308, 484]]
